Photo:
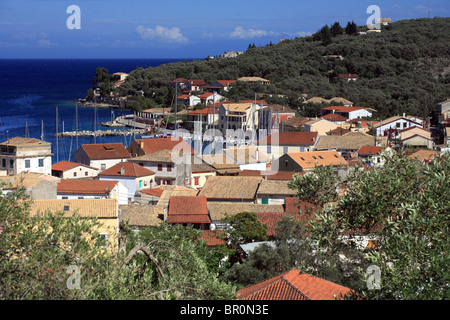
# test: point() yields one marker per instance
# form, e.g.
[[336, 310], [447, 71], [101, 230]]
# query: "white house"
[[397, 123], [92, 189], [131, 175], [349, 113], [73, 170], [26, 155], [101, 155]]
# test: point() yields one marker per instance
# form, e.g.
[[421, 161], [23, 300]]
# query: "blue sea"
[[33, 92]]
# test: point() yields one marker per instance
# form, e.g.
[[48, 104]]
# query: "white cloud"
[[241, 33], [162, 33], [45, 43]]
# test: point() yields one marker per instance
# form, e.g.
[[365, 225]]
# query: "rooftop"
[[275, 187], [100, 208], [68, 165], [185, 209], [308, 160], [292, 285], [70, 186], [102, 151], [290, 139], [127, 169], [230, 188]]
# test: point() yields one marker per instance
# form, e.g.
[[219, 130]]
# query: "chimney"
[[122, 170]]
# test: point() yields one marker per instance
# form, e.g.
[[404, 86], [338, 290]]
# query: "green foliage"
[[404, 206], [397, 68], [245, 228], [161, 263]]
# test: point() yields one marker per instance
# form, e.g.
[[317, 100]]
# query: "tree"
[[336, 29], [244, 227], [404, 206], [351, 28]]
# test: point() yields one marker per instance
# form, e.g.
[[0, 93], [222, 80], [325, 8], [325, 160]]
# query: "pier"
[[102, 133]]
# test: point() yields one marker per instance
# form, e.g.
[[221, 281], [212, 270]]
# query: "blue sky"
[[178, 29]]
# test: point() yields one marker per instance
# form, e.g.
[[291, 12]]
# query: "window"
[[41, 163], [103, 166], [196, 181], [86, 173], [11, 163], [269, 149], [285, 149], [74, 174], [27, 163], [169, 167], [3, 163], [159, 167], [265, 200], [102, 240], [140, 184], [80, 197]]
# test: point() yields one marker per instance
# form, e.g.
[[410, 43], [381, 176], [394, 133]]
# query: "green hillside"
[[403, 69]]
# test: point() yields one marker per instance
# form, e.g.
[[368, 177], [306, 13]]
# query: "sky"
[[196, 29]]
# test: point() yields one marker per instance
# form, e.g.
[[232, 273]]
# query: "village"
[[144, 186]]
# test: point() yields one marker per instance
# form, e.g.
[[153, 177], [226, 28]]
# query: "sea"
[[38, 98]]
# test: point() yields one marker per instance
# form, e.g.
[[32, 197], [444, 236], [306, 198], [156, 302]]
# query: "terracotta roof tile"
[[106, 151], [85, 186], [213, 237], [291, 138], [130, 170], [153, 145], [188, 210], [101, 208], [67, 165], [275, 175], [293, 285], [308, 160], [231, 188], [369, 150]]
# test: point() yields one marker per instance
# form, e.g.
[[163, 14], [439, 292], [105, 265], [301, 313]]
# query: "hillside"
[[403, 69]]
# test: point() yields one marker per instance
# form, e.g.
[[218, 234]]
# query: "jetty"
[[102, 133]]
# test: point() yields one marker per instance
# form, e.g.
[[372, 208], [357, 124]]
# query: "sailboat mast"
[[176, 106], [57, 147], [76, 124]]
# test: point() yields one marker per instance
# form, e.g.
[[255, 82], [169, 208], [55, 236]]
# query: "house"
[[336, 118], [231, 54], [153, 115], [105, 210], [321, 126], [188, 100], [347, 144], [101, 155], [294, 124], [274, 192], [141, 216], [348, 76], [238, 116], [189, 211], [348, 113], [210, 98], [370, 154], [140, 147], [247, 157], [220, 210], [36, 185], [219, 85], [178, 82], [276, 115], [257, 80], [416, 137], [424, 155], [222, 165], [92, 189], [280, 143], [339, 132], [131, 175], [194, 85], [169, 167], [200, 173], [231, 189], [391, 126], [22, 154], [207, 116], [307, 161], [120, 76], [293, 285], [444, 110], [73, 170]]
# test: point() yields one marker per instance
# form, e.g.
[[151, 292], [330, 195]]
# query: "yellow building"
[[106, 210], [321, 126]]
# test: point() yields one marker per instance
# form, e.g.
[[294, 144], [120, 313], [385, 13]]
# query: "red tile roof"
[[293, 285], [67, 165], [334, 117], [291, 138], [343, 108], [197, 82], [67, 186], [157, 192], [305, 209], [130, 170], [213, 237], [106, 151], [205, 111], [369, 150], [270, 220], [153, 145], [184, 209]]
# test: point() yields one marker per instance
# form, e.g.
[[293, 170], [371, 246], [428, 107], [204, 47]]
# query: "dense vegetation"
[[403, 69]]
